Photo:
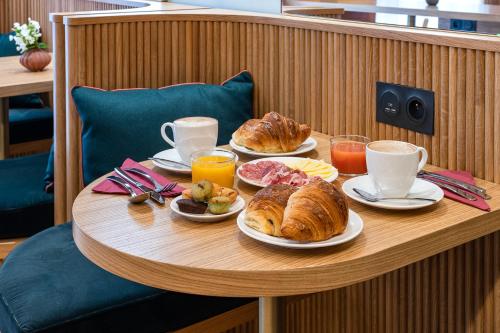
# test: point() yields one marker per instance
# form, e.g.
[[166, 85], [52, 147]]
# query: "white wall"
[[263, 6]]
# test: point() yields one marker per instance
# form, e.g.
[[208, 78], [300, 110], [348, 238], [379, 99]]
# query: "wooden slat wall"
[[454, 291], [327, 79], [19, 10], [322, 78]]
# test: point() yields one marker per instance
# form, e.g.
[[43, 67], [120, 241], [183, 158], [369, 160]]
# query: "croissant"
[[316, 212], [265, 211], [273, 133]]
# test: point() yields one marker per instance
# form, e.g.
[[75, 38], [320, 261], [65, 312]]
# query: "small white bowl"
[[236, 207]]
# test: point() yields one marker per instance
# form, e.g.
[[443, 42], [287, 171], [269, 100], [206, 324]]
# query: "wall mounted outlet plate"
[[405, 107]]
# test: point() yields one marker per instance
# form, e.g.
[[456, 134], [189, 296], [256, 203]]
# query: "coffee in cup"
[[192, 134], [393, 166]]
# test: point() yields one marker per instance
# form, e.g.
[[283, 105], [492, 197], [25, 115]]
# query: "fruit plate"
[[305, 147], [285, 160], [236, 207], [353, 229]]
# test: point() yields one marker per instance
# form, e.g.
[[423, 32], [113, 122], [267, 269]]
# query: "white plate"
[[236, 207], [171, 154], [305, 147], [282, 160], [353, 229], [420, 188]]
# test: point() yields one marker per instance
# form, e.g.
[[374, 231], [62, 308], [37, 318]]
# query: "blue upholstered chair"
[[47, 285]]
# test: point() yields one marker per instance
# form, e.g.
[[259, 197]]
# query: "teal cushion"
[[8, 49], [25, 208], [49, 171], [30, 125], [47, 285], [126, 123]]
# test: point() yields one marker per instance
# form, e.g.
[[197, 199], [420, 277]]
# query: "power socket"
[[405, 107]]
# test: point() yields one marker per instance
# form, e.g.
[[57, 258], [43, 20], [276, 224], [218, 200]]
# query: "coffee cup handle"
[[423, 160], [164, 133]]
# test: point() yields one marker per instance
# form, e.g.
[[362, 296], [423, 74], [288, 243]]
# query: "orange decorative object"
[[35, 60]]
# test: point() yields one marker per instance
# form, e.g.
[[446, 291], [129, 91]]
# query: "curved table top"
[[152, 245]]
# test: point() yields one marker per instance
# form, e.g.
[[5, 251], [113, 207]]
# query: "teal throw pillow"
[[126, 123]]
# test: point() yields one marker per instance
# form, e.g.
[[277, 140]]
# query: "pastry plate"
[[236, 207], [284, 160], [305, 147], [171, 154], [420, 188], [353, 229]]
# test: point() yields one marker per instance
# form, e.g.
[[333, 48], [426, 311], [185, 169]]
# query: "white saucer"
[[353, 229], [420, 188], [236, 207], [171, 154], [305, 147], [284, 160]]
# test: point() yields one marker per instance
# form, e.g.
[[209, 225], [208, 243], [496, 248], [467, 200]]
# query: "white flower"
[[11, 38]]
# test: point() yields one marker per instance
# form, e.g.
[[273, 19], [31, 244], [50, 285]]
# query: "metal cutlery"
[[374, 198], [158, 187], [134, 197], [170, 163], [154, 195], [456, 183], [456, 190]]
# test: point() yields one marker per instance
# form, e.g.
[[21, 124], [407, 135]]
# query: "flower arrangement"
[[27, 36]]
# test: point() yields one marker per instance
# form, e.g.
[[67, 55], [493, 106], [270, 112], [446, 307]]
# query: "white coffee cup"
[[192, 134], [393, 166]]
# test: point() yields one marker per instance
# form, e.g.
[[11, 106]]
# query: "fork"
[[158, 187]]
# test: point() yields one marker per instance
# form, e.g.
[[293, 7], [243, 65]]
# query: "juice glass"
[[217, 166], [348, 154]]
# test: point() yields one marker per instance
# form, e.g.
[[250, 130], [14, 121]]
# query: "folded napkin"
[[465, 177], [107, 186]]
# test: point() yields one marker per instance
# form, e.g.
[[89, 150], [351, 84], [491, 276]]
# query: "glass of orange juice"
[[348, 154], [217, 166]]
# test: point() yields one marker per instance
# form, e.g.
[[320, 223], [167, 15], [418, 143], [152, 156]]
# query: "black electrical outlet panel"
[[405, 107]]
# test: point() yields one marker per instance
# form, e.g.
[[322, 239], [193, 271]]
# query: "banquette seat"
[[47, 285]]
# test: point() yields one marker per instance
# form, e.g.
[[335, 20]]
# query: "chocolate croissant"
[[273, 133], [316, 212], [265, 211]]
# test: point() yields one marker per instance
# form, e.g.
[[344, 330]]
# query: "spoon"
[[373, 198], [134, 197]]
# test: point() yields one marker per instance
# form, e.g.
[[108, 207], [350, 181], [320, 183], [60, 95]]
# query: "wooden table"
[[15, 80], [151, 245]]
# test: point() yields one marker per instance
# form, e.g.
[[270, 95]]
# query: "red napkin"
[[466, 177], [107, 186]]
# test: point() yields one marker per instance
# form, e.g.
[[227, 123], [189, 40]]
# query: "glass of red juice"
[[348, 154]]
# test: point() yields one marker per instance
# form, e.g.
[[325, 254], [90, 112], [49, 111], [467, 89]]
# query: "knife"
[[455, 190], [154, 195], [170, 163], [465, 186]]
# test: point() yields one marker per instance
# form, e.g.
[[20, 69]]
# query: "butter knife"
[[170, 163], [465, 186], [453, 189], [154, 195]]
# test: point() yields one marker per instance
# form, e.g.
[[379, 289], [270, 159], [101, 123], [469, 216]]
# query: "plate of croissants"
[[312, 216], [273, 135]]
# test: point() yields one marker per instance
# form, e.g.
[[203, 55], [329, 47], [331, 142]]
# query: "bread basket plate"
[[353, 229], [285, 160], [420, 188], [236, 207], [305, 147]]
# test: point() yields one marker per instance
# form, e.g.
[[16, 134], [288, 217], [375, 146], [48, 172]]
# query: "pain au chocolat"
[[273, 133]]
